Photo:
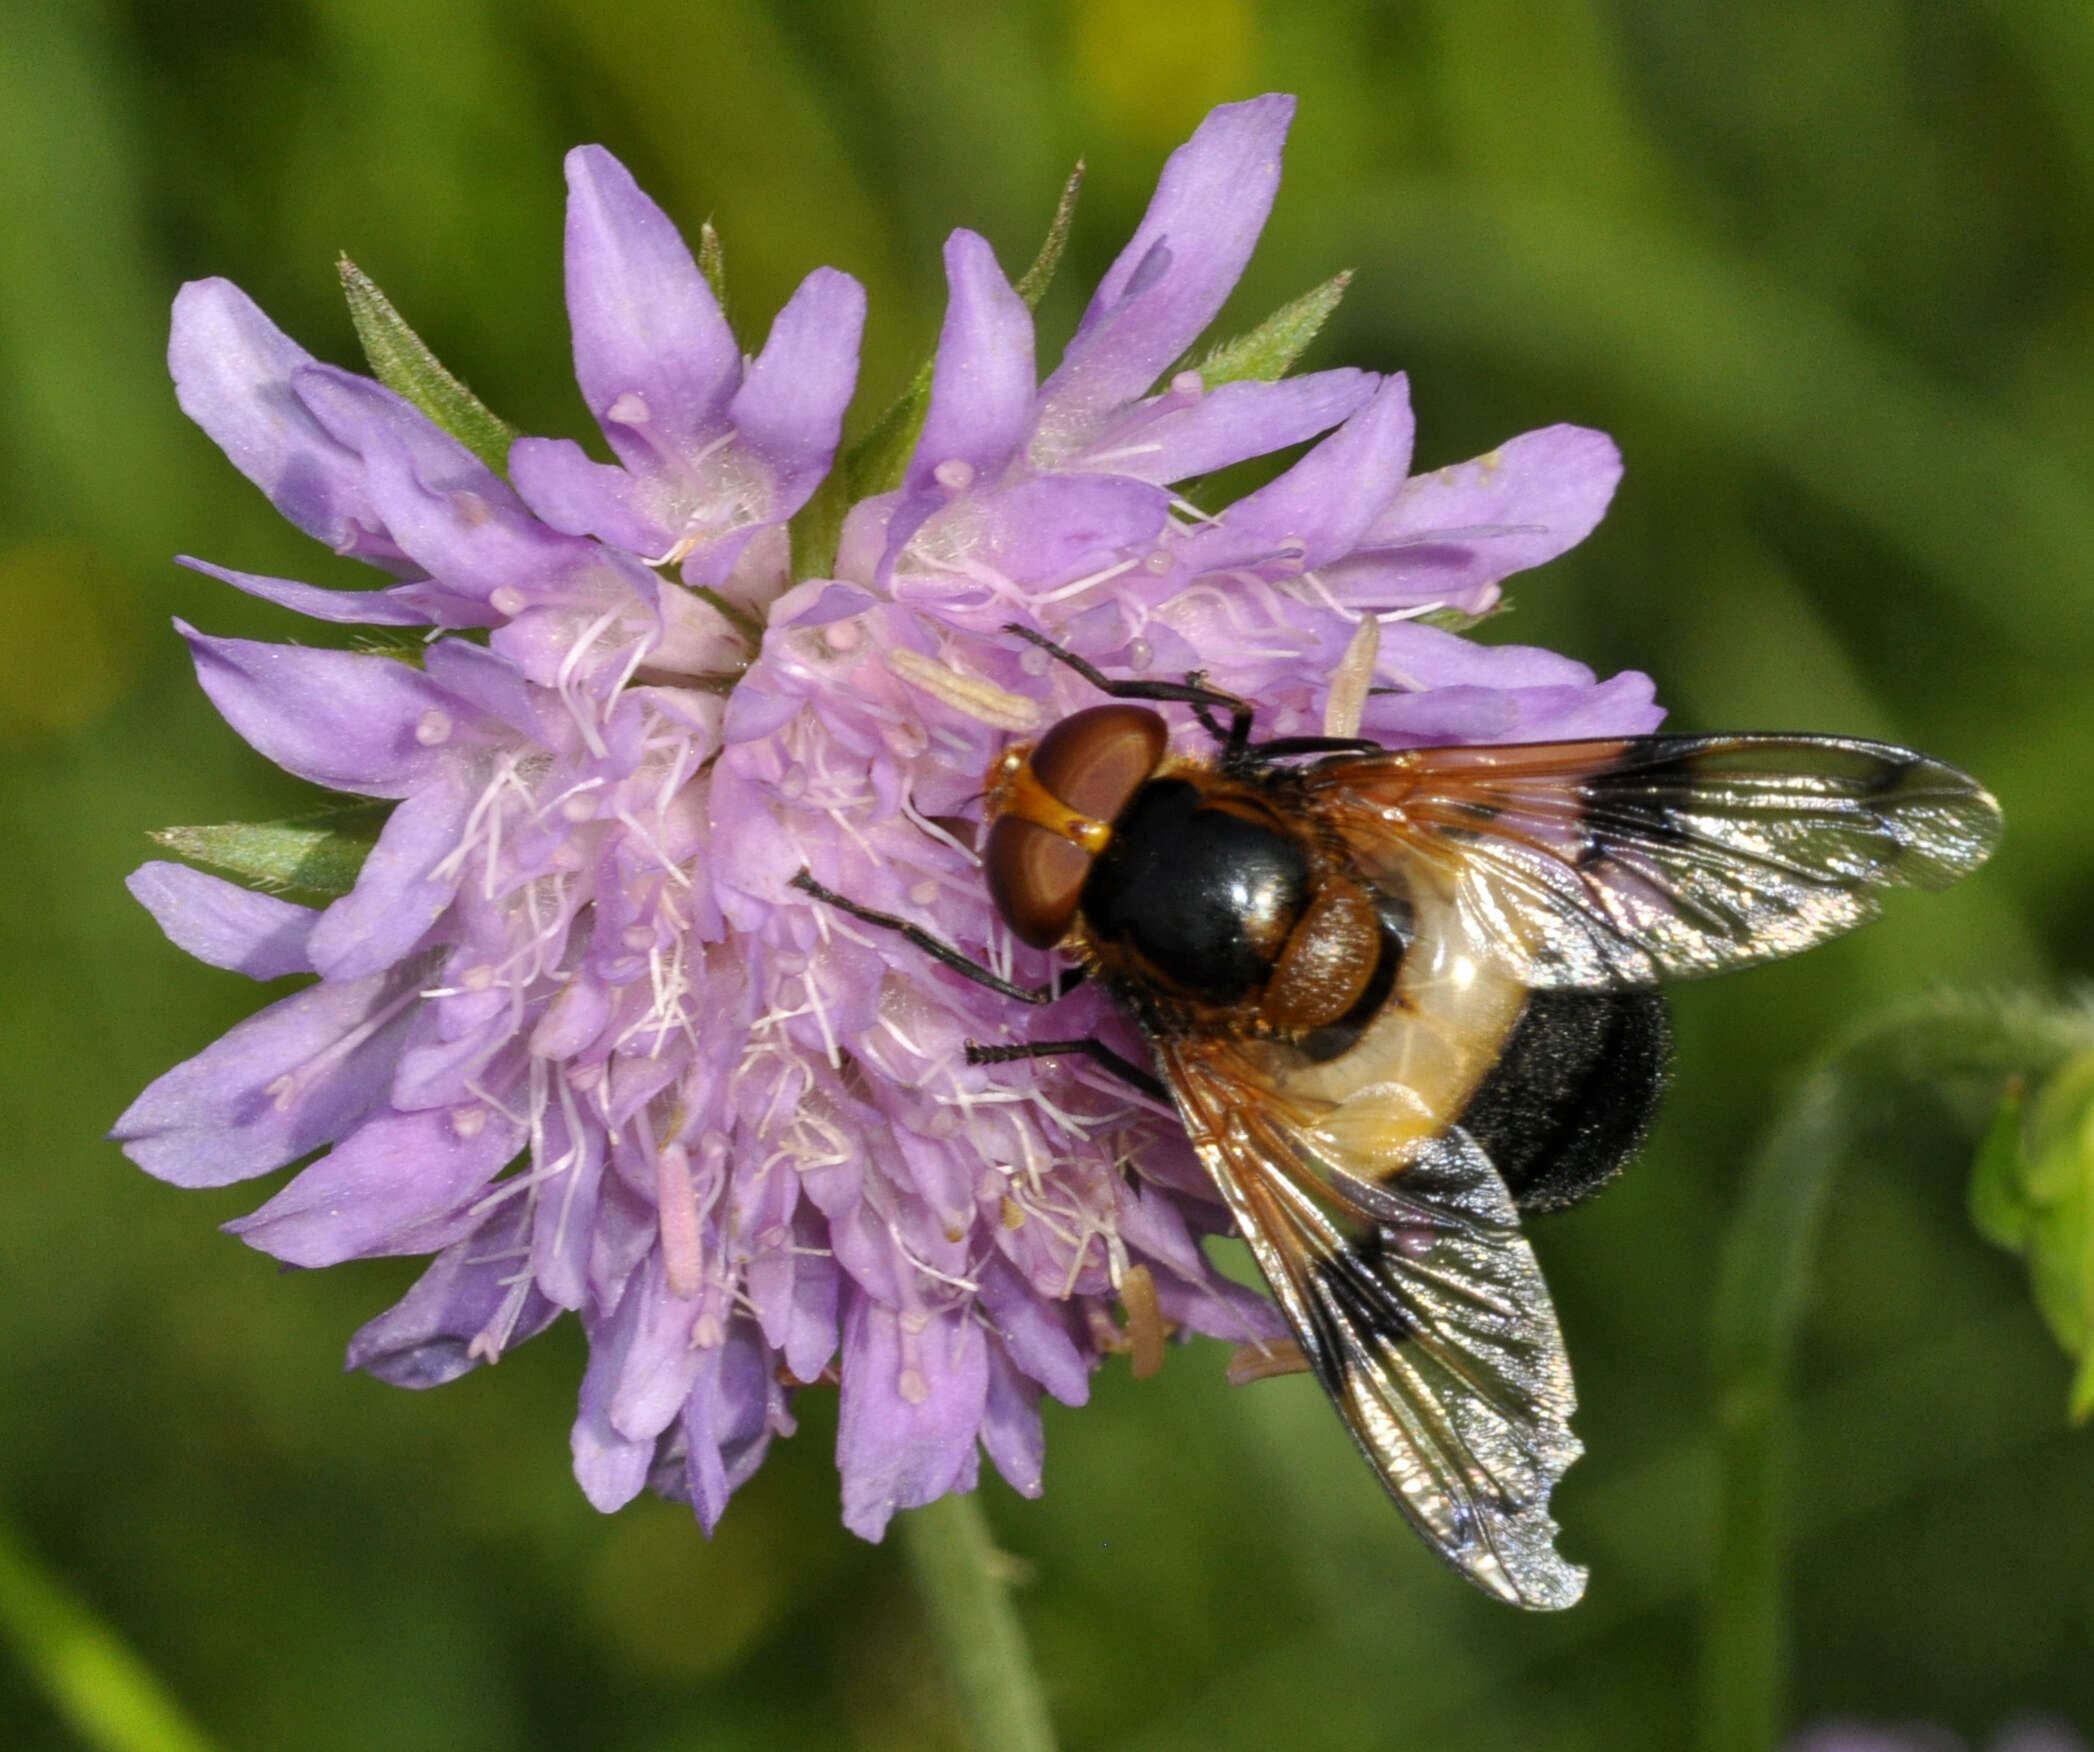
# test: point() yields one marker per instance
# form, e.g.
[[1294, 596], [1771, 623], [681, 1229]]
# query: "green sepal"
[[876, 462], [318, 854], [401, 360], [1459, 620], [1999, 1206], [1033, 283], [712, 263], [1267, 352]]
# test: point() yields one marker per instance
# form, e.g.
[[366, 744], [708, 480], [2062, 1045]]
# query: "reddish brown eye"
[[1094, 762]]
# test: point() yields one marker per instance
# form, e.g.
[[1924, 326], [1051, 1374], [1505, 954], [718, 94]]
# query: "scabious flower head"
[[574, 1031]]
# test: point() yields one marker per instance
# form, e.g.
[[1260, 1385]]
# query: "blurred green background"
[[1824, 267]]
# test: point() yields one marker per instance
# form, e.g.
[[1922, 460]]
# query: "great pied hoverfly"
[[1400, 996]]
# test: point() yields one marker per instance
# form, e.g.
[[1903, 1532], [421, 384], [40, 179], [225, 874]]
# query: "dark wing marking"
[[1419, 1306], [1591, 864]]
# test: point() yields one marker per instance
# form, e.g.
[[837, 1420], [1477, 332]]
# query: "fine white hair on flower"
[[573, 1031]]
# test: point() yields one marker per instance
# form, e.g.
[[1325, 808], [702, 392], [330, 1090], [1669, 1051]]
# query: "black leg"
[[1061, 986], [1095, 1050], [1284, 747], [1203, 700]]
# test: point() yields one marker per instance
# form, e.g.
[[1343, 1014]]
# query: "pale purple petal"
[[401, 606], [611, 1468], [727, 1422], [1174, 274], [471, 1296], [338, 718], [399, 893], [1418, 658], [276, 1087], [1034, 1332], [570, 492], [655, 358], [232, 369], [454, 516], [789, 409], [1012, 1433], [909, 1410], [1449, 536], [1185, 434], [1053, 527], [982, 384], [223, 924], [398, 1172], [1318, 509]]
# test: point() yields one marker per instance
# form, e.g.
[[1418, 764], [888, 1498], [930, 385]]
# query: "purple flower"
[[575, 1033]]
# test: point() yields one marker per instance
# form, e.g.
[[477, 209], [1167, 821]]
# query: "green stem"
[[1943, 1039], [104, 1693], [962, 1578]]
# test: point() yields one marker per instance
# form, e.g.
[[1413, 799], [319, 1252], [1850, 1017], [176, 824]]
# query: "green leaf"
[[320, 854], [1999, 1205], [401, 361], [876, 462], [1268, 351]]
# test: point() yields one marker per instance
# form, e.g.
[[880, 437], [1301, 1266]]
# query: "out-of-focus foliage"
[[1827, 273]]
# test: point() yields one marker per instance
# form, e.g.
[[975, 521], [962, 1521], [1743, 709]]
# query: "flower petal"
[[396, 1173], [655, 358], [398, 895], [1317, 511], [455, 517], [983, 383], [567, 490], [1449, 536], [339, 718], [404, 605], [909, 1410], [232, 370], [1178, 268], [223, 924], [1176, 437], [276, 1087], [789, 409], [467, 1308]]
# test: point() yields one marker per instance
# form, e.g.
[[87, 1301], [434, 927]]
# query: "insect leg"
[[1095, 1050], [1060, 986], [1281, 747], [1203, 700]]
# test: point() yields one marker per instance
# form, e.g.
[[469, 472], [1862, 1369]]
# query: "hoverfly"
[[1398, 997]]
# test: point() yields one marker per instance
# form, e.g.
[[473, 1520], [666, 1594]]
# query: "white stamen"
[[468, 1122], [955, 474], [630, 409], [506, 599], [676, 1202], [981, 700], [434, 727], [1350, 681]]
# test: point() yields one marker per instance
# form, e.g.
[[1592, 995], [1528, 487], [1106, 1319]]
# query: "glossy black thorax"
[[1197, 891]]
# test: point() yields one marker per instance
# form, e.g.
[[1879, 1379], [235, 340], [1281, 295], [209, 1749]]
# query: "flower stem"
[[1941, 1042], [962, 1578], [103, 1692]]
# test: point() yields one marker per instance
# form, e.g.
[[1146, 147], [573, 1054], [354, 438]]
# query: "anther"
[[955, 474]]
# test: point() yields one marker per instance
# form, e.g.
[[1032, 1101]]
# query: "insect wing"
[[1419, 1306], [1610, 863]]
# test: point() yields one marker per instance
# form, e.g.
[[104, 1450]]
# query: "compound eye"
[[1096, 760], [1093, 762], [1035, 878]]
